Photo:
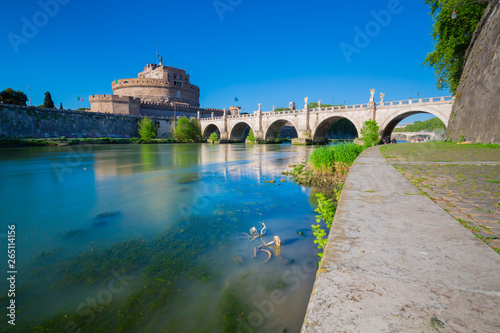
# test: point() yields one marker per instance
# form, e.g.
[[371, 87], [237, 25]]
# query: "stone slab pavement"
[[397, 262]]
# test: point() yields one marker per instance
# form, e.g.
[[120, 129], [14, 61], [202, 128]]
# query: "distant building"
[[234, 110], [291, 105], [157, 91]]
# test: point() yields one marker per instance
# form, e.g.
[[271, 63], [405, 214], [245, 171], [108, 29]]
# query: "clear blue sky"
[[268, 52]]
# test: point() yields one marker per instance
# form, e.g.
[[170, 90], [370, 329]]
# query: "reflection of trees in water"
[[342, 129], [186, 155]]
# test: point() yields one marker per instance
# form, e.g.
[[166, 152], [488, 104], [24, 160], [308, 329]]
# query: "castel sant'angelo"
[[159, 91]]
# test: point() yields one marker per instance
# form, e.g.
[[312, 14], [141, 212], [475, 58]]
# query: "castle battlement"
[[113, 98], [157, 91]]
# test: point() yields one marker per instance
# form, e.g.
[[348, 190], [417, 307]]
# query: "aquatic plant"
[[234, 311], [326, 160], [322, 160], [162, 264]]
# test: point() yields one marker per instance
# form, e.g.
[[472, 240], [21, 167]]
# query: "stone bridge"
[[312, 124], [428, 135]]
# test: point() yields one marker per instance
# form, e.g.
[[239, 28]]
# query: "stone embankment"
[[397, 262], [23, 121]]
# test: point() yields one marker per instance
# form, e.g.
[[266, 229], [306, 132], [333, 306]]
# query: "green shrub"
[[147, 129], [370, 133], [251, 137], [187, 130], [213, 137]]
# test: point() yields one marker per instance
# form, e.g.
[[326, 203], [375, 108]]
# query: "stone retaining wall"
[[23, 121]]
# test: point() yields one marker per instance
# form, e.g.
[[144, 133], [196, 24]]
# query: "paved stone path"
[[397, 262], [469, 193]]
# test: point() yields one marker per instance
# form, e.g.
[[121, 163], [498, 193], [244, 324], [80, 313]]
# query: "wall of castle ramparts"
[[35, 122]]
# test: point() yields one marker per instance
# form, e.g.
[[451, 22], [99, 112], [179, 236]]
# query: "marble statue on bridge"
[[372, 93]]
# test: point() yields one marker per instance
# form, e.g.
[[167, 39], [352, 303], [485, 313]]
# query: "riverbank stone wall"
[[34, 122], [476, 112]]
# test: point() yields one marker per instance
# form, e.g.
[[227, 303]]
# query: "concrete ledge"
[[302, 142], [396, 262]]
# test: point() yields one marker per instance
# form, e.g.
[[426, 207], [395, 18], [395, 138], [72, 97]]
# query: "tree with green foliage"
[[251, 137], [9, 96], [60, 106], [370, 133], [314, 105], [187, 130], [452, 38], [428, 125], [47, 102], [147, 130], [281, 109], [213, 137]]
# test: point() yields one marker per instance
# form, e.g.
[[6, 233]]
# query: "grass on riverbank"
[[326, 167], [331, 159], [440, 152]]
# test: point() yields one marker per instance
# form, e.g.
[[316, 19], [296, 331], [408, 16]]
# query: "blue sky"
[[268, 52]]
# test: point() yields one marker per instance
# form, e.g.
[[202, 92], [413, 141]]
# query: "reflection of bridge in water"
[[422, 134], [312, 125]]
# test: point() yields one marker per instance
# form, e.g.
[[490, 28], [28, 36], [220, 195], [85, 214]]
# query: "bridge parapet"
[[433, 100], [313, 124]]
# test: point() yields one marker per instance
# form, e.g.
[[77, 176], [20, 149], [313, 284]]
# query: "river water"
[[153, 238]]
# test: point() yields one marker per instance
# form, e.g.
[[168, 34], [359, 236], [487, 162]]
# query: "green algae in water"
[[163, 263], [235, 311]]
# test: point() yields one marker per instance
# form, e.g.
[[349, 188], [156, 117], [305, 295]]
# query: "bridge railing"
[[418, 101], [353, 107]]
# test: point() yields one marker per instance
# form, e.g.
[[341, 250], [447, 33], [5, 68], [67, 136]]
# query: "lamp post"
[[454, 14]]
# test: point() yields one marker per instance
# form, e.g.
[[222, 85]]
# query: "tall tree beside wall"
[[9, 96], [452, 38], [47, 102]]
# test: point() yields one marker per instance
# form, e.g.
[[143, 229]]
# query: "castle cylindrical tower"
[[158, 83]]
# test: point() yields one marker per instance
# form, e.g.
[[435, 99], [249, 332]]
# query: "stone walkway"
[[469, 190], [469, 193], [397, 262]]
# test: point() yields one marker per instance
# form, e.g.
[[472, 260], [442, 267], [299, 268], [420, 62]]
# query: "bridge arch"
[[209, 129], [388, 126], [276, 126], [319, 134], [239, 131]]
